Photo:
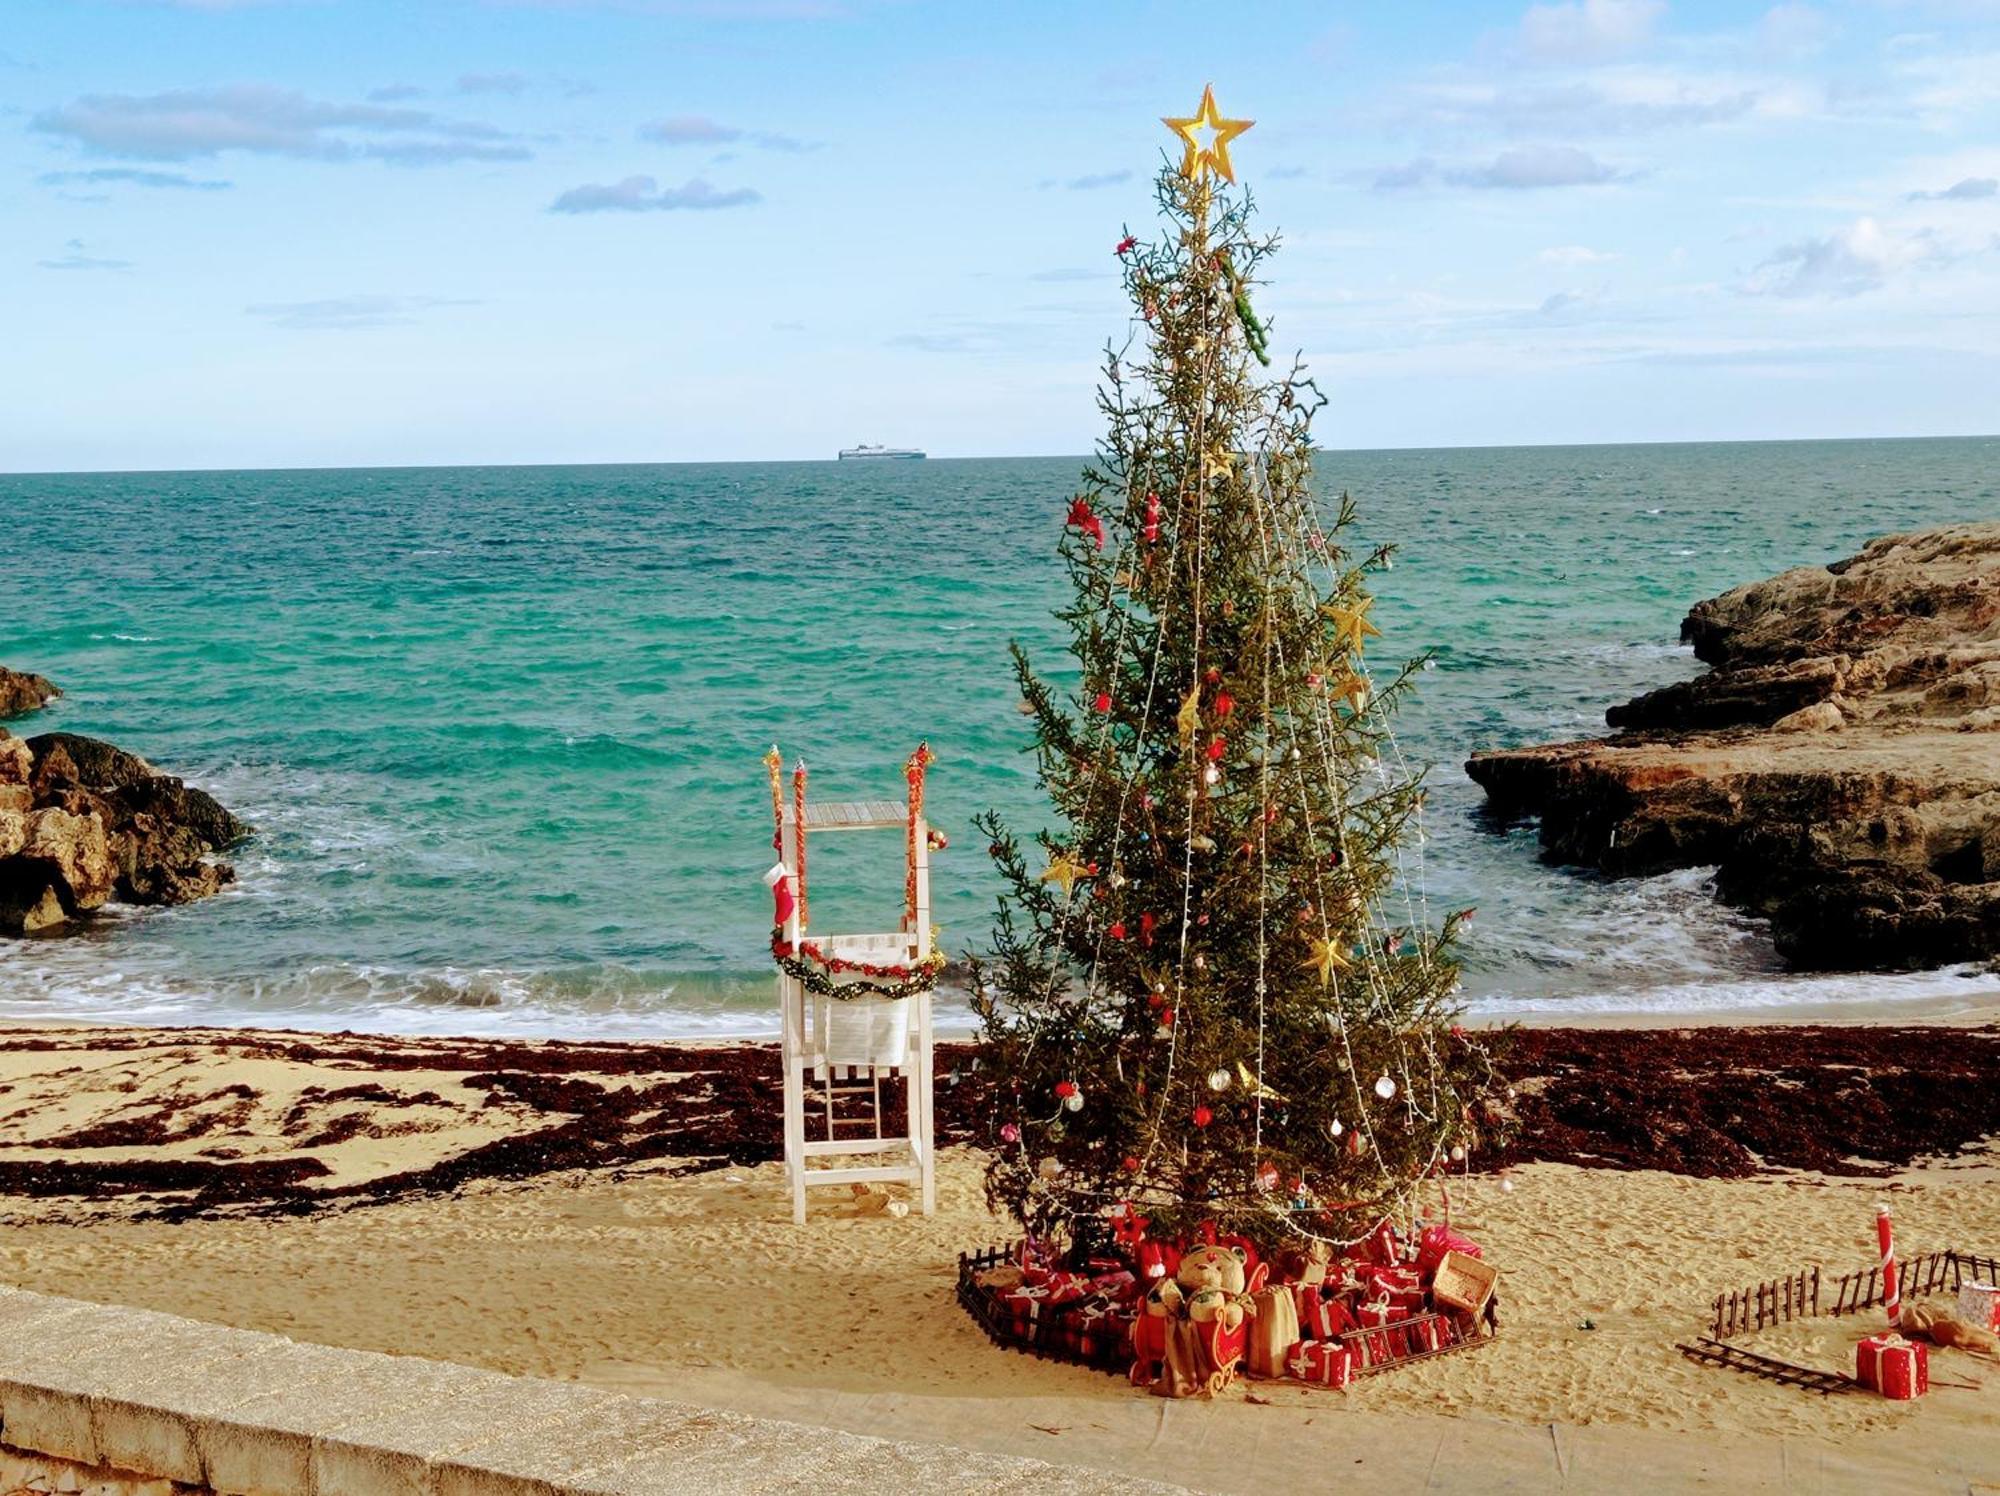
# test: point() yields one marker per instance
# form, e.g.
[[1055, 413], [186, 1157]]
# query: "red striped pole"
[[1892, 1301]]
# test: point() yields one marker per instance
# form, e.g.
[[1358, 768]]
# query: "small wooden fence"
[[1778, 1301], [1934, 1272]]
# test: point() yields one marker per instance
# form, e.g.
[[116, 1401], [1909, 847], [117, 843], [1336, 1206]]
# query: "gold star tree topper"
[[1199, 160]]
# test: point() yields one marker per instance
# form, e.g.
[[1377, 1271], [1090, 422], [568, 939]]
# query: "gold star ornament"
[[1201, 159], [1325, 959], [1065, 872]]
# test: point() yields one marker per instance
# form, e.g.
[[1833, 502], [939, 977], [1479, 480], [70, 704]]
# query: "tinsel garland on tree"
[[1213, 994]]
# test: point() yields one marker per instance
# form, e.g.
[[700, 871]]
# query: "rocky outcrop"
[[83, 824], [1839, 764], [21, 693]]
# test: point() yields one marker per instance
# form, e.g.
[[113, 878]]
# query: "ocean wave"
[[1941, 988]]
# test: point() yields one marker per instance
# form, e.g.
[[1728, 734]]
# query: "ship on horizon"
[[867, 450]]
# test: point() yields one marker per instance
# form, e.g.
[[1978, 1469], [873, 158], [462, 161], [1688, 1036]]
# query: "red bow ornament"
[[1084, 519]]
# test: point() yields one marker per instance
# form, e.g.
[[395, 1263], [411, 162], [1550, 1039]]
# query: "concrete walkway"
[[235, 1411]]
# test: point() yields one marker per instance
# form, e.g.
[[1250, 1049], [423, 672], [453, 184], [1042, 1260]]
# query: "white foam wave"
[[1962, 986]]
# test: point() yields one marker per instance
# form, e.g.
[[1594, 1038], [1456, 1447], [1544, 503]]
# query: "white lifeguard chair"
[[855, 1009]]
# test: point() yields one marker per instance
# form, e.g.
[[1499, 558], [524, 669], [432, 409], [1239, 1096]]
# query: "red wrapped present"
[[1384, 1246], [1431, 1333], [1376, 1347], [1322, 1316], [1376, 1313], [1325, 1363], [1096, 1325], [1400, 1287], [1435, 1242], [1893, 1366], [1033, 1252], [1120, 1285], [1035, 1301]]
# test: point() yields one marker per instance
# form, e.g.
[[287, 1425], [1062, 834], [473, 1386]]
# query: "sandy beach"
[[682, 1276]]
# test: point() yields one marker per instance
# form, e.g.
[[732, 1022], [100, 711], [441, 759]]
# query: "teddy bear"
[[1208, 1286]]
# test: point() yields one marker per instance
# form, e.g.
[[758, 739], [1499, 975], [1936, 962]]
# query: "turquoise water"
[[499, 728]]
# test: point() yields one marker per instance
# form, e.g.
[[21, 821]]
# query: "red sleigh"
[[1225, 1347]]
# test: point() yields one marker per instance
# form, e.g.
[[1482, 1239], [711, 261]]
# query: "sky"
[[356, 232]]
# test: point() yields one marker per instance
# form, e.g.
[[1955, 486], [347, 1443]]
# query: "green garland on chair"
[[921, 977]]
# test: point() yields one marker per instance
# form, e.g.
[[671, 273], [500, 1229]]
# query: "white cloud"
[[1521, 169], [1588, 30], [492, 83], [699, 129], [186, 124], [132, 177], [74, 258], [1964, 190], [641, 194], [1946, 86], [1573, 256], [350, 313], [1795, 30], [1848, 262]]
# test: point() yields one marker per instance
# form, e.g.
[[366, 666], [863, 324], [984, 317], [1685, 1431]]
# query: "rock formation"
[[83, 823], [21, 693], [1839, 764]]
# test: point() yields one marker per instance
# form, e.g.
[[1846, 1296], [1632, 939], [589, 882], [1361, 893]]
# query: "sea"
[[500, 729]]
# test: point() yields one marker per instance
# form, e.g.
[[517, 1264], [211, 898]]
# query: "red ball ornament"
[[1117, 930], [1131, 1163], [1065, 1089], [1103, 702], [1224, 704], [1203, 1116], [1216, 748]]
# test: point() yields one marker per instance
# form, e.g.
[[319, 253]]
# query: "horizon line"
[[402, 467]]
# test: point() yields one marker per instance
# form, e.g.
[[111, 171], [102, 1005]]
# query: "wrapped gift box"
[[1095, 1326], [1121, 1285], [1400, 1287], [1438, 1240], [1384, 1246], [1376, 1347], [1325, 1363], [1979, 1304], [1322, 1316], [1431, 1333], [1032, 1302], [1376, 1313], [1893, 1366]]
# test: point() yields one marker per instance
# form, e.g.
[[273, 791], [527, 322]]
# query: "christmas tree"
[[1212, 996]]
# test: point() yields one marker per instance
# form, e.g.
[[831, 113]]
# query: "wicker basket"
[[1464, 1282]]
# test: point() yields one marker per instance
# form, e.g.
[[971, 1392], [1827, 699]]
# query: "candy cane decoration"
[[799, 819], [1892, 1300]]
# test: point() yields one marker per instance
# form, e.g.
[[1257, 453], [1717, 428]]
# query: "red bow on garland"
[[1081, 515]]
